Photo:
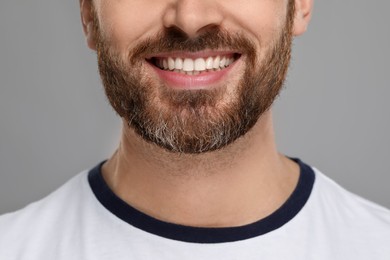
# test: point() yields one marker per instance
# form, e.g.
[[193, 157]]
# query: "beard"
[[194, 121]]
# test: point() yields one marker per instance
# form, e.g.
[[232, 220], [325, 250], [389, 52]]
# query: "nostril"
[[193, 17]]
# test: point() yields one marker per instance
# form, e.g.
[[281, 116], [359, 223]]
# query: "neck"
[[238, 185]]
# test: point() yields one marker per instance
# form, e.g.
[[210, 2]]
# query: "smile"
[[193, 70], [196, 66]]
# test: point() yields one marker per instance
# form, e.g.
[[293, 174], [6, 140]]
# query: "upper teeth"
[[197, 65]]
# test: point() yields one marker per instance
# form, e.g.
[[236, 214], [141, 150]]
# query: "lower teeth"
[[195, 72]]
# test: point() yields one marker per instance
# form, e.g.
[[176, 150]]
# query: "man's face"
[[192, 76]]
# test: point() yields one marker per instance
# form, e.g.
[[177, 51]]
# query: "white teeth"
[[209, 63], [171, 63], [200, 64], [165, 64], [216, 62], [179, 64], [188, 65], [222, 63], [194, 67]]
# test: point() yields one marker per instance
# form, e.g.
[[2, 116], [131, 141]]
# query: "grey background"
[[55, 121]]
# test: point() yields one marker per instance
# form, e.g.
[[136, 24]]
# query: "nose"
[[193, 16]]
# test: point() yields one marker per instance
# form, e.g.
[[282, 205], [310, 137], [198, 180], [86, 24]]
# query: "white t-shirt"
[[85, 220]]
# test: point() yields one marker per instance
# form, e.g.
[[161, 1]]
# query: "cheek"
[[263, 20], [123, 23]]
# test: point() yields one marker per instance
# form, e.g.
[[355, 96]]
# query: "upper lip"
[[193, 55]]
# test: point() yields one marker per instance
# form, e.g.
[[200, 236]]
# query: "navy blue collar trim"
[[204, 235]]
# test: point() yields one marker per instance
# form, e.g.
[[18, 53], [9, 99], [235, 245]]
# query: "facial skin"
[[192, 113], [236, 182]]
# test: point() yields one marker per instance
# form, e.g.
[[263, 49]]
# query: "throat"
[[234, 198], [231, 187]]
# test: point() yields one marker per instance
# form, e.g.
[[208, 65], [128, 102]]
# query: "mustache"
[[174, 39]]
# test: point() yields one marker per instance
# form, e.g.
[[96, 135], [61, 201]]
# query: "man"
[[197, 174]]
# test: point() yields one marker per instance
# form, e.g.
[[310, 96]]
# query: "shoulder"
[[40, 211], [42, 219], [328, 190], [348, 213], [340, 224]]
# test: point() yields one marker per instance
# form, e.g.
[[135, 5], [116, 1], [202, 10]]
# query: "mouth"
[[193, 70], [196, 65]]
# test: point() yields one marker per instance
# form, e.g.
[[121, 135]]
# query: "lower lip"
[[204, 80]]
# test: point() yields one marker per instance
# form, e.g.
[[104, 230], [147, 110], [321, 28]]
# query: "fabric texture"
[[85, 220]]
